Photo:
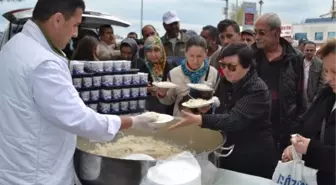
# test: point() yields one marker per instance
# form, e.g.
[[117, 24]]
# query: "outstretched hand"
[[187, 119]]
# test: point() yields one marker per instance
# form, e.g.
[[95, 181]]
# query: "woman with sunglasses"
[[243, 115]]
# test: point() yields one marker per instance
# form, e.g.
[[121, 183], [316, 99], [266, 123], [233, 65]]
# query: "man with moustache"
[[209, 33], [281, 67]]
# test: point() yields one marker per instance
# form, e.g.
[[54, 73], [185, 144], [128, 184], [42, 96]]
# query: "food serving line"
[[112, 87], [93, 169]]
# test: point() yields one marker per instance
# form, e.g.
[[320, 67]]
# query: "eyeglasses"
[[231, 67], [261, 32]]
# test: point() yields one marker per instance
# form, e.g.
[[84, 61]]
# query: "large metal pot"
[[98, 170]]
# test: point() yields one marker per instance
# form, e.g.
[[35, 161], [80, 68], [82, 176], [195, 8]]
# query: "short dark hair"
[[132, 33], [85, 49], [103, 27], [224, 24], [244, 52], [327, 48], [302, 41], [212, 31], [310, 42], [196, 41], [44, 9]]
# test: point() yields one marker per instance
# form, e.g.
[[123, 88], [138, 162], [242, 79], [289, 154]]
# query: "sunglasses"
[[231, 67]]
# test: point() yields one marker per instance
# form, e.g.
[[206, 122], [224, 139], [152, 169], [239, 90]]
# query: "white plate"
[[165, 85], [194, 105], [200, 87], [161, 119], [164, 118]]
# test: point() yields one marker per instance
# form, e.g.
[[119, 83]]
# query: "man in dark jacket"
[[281, 67]]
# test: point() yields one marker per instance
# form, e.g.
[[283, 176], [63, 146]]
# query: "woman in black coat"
[[317, 143], [157, 67], [243, 116]]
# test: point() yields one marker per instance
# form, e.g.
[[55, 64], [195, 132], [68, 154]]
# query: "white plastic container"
[[180, 170]]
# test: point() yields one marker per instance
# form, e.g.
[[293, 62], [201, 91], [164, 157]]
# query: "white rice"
[[137, 145]]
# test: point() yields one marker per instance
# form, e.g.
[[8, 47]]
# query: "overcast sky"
[[193, 13]]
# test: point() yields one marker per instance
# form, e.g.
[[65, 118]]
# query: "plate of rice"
[[197, 103], [165, 85], [161, 119], [200, 87]]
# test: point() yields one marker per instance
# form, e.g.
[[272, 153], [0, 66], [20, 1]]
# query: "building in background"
[[317, 30], [286, 30]]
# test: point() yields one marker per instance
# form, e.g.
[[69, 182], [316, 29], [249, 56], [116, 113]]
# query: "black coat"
[[321, 154], [244, 117], [290, 88]]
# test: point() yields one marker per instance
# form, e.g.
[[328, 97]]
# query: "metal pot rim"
[[197, 154]]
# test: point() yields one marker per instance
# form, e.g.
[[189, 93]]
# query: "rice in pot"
[[137, 145]]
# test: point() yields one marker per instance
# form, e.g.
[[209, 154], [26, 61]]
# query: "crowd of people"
[[267, 89], [264, 83]]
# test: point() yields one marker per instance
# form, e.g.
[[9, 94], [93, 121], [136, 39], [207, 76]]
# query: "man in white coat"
[[41, 112]]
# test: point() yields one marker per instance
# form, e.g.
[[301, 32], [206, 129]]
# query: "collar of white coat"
[[31, 29]]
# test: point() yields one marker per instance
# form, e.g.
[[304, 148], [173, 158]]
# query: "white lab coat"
[[41, 113]]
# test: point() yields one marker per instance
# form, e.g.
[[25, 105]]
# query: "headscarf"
[[156, 70], [134, 46]]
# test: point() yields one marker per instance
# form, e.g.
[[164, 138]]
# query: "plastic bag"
[[182, 169], [294, 172]]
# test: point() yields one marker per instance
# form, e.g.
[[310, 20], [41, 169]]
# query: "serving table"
[[228, 177]]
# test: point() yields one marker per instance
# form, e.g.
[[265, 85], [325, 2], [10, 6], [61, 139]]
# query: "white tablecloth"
[[227, 177]]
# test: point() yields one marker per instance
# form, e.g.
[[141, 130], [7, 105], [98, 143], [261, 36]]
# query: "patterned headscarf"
[[155, 69]]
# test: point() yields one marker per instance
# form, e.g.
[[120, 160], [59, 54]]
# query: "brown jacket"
[[179, 47], [106, 52]]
